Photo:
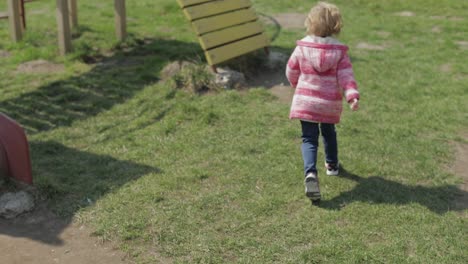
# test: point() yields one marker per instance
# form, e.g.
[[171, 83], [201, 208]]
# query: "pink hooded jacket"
[[321, 72]]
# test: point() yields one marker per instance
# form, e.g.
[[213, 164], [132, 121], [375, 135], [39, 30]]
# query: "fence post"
[[63, 23], [16, 29], [120, 19], [73, 13]]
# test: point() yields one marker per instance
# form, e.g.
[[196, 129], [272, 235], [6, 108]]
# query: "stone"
[[229, 79], [14, 204]]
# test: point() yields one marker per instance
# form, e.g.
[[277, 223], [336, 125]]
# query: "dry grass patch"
[[40, 66]]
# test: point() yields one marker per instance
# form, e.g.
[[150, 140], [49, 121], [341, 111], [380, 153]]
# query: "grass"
[[169, 174]]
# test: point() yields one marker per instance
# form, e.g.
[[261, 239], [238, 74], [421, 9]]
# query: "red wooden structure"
[[15, 150]]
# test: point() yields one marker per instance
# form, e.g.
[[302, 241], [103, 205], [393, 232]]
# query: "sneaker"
[[312, 189], [332, 168]]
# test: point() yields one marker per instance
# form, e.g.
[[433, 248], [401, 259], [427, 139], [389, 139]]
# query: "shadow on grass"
[[112, 80], [377, 190], [69, 179]]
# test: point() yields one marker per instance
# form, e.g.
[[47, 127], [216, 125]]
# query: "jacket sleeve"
[[346, 79], [293, 70]]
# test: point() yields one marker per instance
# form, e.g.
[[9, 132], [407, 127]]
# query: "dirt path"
[[40, 237]]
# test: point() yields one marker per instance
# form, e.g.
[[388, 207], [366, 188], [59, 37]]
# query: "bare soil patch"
[[40, 237], [446, 68], [436, 29], [383, 34], [40, 66], [457, 19], [462, 45], [283, 92], [275, 80], [4, 54], [291, 20], [368, 46], [405, 14], [451, 18]]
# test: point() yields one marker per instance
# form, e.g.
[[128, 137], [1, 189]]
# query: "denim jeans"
[[310, 143]]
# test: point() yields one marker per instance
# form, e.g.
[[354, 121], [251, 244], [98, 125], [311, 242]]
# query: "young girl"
[[321, 73]]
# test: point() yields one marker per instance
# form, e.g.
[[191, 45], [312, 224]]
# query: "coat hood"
[[323, 54]]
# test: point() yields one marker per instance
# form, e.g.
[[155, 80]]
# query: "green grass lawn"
[[168, 174]]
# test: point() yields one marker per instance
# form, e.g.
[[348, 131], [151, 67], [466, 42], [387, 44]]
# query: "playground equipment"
[[5, 15], [226, 29], [17, 18], [14, 151], [67, 19]]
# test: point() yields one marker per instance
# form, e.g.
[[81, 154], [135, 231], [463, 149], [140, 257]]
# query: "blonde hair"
[[324, 20]]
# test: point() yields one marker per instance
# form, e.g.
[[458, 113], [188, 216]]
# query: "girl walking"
[[321, 73]]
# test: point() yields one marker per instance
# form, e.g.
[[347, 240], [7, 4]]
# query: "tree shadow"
[[68, 179], [378, 190], [111, 81]]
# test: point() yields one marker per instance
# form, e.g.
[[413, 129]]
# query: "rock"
[[276, 60], [229, 79], [14, 204]]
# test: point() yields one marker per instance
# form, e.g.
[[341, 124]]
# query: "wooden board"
[[214, 8], [226, 28], [224, 53], [205, 25], [185, 3], [231, 34], [3, 15]]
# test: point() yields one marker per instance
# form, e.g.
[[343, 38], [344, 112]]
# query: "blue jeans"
[[310, 143]]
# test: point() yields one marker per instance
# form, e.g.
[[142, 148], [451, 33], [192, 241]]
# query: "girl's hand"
[[354, 104]]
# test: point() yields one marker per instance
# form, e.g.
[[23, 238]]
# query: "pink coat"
[[321, 72]]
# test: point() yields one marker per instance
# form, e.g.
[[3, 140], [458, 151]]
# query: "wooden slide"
[[226, 28]]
